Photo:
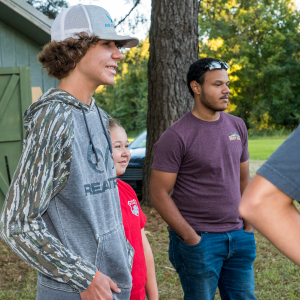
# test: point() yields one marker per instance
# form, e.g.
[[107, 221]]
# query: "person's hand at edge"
[[100, 288]]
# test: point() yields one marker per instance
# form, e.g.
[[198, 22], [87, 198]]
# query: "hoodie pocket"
[[113, 257]]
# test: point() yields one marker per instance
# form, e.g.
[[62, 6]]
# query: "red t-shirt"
[[134, 220]]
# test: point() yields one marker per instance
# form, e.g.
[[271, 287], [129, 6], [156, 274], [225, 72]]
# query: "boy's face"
[[100, 63], [121, 152]]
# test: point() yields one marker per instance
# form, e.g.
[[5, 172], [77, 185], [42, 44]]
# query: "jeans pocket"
[[190, 246], [246, 246], [193, 257], [172, 252]]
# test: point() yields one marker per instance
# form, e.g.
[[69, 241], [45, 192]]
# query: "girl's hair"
[[59, 58], [113, 123]]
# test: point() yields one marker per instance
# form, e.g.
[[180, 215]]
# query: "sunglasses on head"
[[217, 65]]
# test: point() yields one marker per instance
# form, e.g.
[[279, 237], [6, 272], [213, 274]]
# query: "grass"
[[17, 280], [275, 276], [271, 133], [262, 148]]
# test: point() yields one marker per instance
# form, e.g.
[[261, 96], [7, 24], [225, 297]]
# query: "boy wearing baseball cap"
[[62, 212]]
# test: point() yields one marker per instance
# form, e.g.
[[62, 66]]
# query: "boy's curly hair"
[[59, 58]]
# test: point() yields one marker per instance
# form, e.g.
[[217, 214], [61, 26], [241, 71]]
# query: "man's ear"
[[196, 87]]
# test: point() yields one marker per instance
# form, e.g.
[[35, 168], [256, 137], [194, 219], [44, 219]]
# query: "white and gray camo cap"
[[91, 19]]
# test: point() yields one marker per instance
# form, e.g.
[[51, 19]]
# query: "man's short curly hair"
[[197, 72], [59, 58]]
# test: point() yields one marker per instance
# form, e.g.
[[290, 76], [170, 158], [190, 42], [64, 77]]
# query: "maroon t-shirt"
[[206, 156]]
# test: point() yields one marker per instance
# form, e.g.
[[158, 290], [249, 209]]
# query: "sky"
[[119, 8]]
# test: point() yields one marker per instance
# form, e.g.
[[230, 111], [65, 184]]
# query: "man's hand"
[[248, 228], [194, 240], [100, 289]]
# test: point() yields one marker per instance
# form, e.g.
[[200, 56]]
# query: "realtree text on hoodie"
[[62, 212]]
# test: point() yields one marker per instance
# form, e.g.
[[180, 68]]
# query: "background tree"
[[50, 8], [126, 100], [260, 39], [173, 47]]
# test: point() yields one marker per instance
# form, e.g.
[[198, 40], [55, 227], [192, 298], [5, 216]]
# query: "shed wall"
[[17, 50]]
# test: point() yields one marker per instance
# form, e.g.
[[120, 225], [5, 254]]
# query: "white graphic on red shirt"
[[134, 207]]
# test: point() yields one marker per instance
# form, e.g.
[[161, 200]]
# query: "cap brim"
[[128, 41]]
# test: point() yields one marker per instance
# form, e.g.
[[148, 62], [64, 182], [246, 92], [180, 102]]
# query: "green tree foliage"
[[126, 100], [260, 40], [50, 8]]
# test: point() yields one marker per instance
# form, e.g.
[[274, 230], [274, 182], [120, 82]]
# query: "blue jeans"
[[223, 260]]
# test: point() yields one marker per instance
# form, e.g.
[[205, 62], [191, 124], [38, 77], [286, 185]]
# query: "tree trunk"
[[173, 47]]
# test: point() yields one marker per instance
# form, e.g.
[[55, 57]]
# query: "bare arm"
[[161, 184], [151, 285], [273, 213], [244, 181]]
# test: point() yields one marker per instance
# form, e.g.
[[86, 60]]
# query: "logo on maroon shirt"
[[234, 137], [134, 207]]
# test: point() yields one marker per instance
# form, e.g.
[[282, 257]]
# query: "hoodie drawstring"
[[89, 133], [91, 141], [105, 131]]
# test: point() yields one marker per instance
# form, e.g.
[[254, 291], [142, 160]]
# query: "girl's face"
[[121, 152]]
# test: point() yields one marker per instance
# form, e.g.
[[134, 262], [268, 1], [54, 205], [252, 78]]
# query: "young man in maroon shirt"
[[203, 158]]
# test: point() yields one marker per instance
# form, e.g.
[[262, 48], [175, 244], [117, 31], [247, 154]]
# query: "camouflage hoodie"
[[62, 212]]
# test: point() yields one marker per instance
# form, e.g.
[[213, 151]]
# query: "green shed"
[[23, 32]]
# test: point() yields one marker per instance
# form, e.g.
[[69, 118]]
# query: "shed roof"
[[26, 19]]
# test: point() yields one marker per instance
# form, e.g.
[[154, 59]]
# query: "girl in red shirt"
[[134, 220]]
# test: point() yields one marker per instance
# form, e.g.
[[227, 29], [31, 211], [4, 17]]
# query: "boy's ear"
[[196, 87]]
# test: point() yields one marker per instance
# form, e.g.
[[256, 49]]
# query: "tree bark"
[[173, 47]]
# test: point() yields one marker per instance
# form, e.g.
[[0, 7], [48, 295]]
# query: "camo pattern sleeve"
[[42, 172]]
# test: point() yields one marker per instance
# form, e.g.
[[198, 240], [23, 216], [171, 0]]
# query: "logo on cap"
[[108, 25]]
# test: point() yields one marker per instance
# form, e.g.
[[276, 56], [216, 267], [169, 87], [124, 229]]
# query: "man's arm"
[[151, 284], [273, 213], [161, 184], [244, 181]]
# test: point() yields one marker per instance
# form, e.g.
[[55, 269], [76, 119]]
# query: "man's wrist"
[[248, 227], [192, 239]]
